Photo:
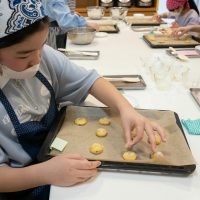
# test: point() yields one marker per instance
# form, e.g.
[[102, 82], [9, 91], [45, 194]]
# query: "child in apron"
[[63, 17], [185, 12], [34, 80]]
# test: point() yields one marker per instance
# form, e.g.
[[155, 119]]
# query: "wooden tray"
[[109, 28], [141, 85], [196, 94], [166, 42], [86, 136], [143, 22]]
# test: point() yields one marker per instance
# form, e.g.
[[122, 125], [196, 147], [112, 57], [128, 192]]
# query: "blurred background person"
[[185, 12], [62, 17]]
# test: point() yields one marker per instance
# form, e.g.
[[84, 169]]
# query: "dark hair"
[[22, 34], [193, 6]]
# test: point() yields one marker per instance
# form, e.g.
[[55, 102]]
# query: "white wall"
[[162, 6], [198, 3]]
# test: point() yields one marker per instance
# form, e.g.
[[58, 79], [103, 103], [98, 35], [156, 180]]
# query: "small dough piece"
[[101, 132], [96, 148], [104, 121], [157, 155], [129, 155], [80, 121], [157, 138], [133, 133]]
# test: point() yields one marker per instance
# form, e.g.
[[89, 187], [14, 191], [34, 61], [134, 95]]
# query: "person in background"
[[185, 12], [63, 17], [35, 81]]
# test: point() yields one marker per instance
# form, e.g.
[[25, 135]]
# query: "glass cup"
[[162, 78], [179, 71]]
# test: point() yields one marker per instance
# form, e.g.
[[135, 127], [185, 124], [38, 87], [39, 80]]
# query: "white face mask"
[[176, 14], [26, 74]]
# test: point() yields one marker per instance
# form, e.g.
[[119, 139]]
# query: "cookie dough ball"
[[157, 138], [133, 134], [104, 121], [80, 121], [101, 132], [96, 148], [157, 155], [129, 155]]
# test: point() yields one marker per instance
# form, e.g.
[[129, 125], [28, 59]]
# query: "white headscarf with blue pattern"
[[18, 14]]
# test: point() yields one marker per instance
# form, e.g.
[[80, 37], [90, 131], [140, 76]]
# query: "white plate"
[[101, 34]]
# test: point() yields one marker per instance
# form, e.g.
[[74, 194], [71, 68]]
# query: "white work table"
[[121, 54]]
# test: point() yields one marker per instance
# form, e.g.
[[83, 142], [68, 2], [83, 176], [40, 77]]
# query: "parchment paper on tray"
[[109, 28], [143, 21], [163, 41], [80, 138]]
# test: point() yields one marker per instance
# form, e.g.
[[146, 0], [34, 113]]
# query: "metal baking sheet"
[[116, 28], [196, 94], [169, 52], [73, 111], [179, 44], [143, 22], [141, 85], [143, 28], [80, 56]]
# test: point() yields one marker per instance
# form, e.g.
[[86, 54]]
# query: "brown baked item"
[[101, 132], [80, 121], [104, 121], [129, 155], [157, 155], [96, 148]]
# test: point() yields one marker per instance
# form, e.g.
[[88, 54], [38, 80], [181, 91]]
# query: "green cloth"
[[192, 126]]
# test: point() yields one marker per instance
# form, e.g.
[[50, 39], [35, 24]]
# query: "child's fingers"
[[85, 164]]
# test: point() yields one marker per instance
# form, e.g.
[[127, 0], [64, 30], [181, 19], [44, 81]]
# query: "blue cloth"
[[31, 136], [58, 10], [192, 126]]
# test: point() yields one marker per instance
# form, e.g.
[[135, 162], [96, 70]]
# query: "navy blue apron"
[[31, 136]]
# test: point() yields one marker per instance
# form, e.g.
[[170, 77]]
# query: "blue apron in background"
[[31, 136]]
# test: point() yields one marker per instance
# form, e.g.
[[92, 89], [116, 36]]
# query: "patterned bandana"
[[174, 4], [18, 14]]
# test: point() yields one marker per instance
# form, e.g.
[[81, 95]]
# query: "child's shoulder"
[[192, 13], [52, 56]]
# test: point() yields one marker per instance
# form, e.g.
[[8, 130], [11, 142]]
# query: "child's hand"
[[157, 17], [93, 25], [175, 25], [178, 32], [69, 169], [133, 120]]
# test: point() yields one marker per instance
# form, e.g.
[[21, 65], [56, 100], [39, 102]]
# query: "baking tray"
[[80, 56], [143, 28], [118, 166], [110, 31], [141, 85], [196, 94], [178, 45], [187, 52], [143, 22]]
